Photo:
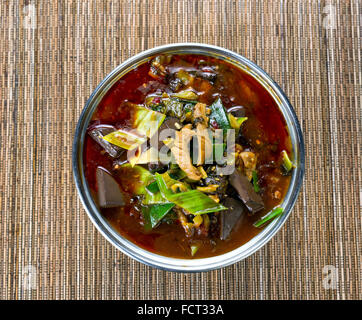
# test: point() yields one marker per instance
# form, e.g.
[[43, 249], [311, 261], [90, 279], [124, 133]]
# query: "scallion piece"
[[236, 122], [146, 124], [240, 120], [125, 139], [255, 181], [196, 202], [275, 213], [186, 95], [287, 164], [147, 121], [194, 249], [176, 174], [154, 198], [165, 183], [153, 187], [193, 201], [152, 215]]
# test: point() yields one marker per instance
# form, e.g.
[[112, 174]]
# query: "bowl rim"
[[188, 265]]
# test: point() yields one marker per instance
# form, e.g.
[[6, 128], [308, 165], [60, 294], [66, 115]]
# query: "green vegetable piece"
[[186, 95], [236, 122], [275, 213], [193, 201], [154, 198], [152, 215], [287, 164], [161, 195], [154, 191], [173, 166], [240, 120], [125, 139], [194, 249], [172, 107], [153, 195], [147, 121], [255, 181], [196, 202], [146, 218], [146, 124], [219, 115], [165, 182], [153, 187]]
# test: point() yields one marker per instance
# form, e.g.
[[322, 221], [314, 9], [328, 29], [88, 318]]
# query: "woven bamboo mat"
[[54, 53]]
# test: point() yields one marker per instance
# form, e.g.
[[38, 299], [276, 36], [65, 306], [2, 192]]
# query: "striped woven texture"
[[52, 56]]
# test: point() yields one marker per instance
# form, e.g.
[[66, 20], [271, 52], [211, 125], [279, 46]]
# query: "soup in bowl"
[[188, 157]]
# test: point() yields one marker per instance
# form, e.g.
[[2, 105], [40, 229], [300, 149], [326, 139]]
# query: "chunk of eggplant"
[[109, 194], [246, 192], [230, 217], [98, 133]]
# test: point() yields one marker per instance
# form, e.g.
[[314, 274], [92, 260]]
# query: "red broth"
[[265, 131]]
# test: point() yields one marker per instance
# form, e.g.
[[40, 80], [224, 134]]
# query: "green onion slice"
[[275, 213], [287, 164], [146, 124], [193, 201], [255, 181], [153, 187], [152, 215], [186, 95], [194, 249], [236, 122]]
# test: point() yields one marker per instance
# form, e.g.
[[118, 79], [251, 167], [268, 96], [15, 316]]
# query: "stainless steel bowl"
[[191, 265]]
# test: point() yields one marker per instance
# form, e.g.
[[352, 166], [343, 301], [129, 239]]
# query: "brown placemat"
[[50, 63]]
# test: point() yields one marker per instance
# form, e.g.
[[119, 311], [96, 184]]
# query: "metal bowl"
[[188, 265]]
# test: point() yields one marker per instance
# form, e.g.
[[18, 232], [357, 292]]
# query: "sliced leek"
[[236, 122], [287, 163], [275, 213], [152, 215], [146, 124], [193, 201]]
